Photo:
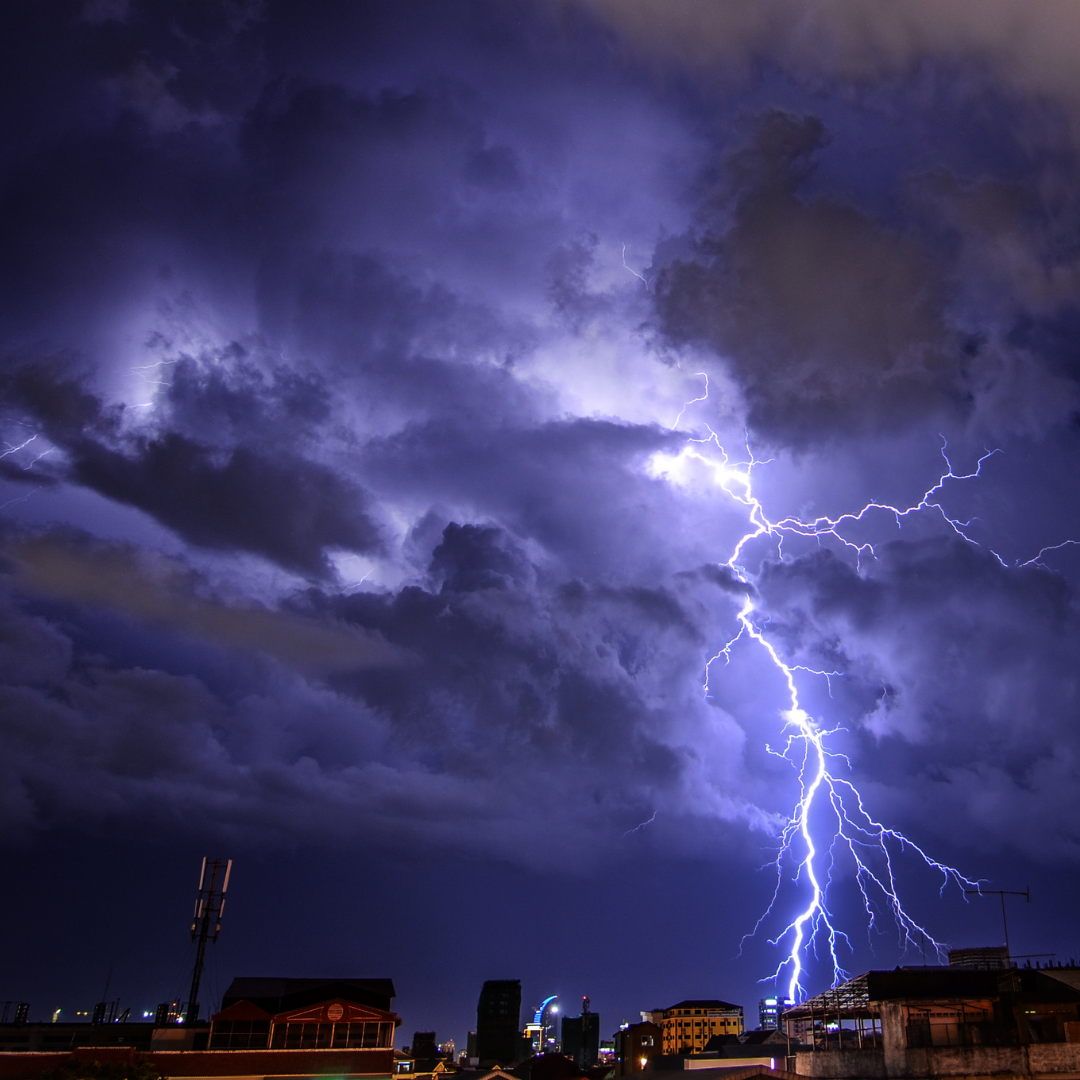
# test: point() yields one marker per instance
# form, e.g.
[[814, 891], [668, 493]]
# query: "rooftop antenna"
[[1026, 894], [206, 925]]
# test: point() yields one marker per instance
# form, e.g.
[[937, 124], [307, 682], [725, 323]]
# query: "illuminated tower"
[[541, 1031], [769, 1010]]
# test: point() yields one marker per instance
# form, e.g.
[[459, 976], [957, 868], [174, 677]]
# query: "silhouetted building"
[[498, 1014], [305, 1014], [768, 1049], [635, 1046], [302, 1028], [548, 1066], [993, 958], [581, 1037], [277, 995], [43, 1037], [425, 1051], [933, 1021], [769, 1010]]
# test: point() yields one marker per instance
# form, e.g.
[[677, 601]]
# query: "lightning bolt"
[[12, 449], [640, 277], [829, 803], [638, 828]]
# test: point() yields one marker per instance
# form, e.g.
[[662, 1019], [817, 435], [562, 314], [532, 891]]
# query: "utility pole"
[[1026, 894], [206, 925]]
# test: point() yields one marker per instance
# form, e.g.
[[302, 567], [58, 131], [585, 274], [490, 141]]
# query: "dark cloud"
[[959, 673], [827, 320], [162, 592], [284, 508], [836, 44], [489, 675], [272, 503]]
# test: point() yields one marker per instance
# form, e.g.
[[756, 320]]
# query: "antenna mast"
[[206, 924], [1026, 894]]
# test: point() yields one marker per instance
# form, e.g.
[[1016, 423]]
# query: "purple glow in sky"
[[375, 382]]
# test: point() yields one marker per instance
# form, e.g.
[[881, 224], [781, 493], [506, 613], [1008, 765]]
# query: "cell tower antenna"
[[1026, 894], [206, 925]]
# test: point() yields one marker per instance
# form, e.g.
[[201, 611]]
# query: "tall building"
[[425, 1051], [635, 1046], [542, 1032], [498, 1014], [769, 1010], [690, 1024], [581, 1037]]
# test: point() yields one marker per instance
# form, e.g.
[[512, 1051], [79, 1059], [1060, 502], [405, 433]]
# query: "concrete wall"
[[1054, 1058], [1058, 1060], [834, 1064], [966, 1061]]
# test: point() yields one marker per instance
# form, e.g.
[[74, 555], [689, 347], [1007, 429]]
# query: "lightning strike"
[[640, 277], [1036, 560], [638, 828], [692, 401], [829, 804], [19, 499], [11, 448], [15, 449]]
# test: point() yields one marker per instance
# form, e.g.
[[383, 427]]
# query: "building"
[[690, 1024], [498, 1015], [267, 1027], [39, 1038], [581, 1037], [277, 995], [541, 1031], [425, 1052], [944, 1021], [994, 957], [767, 1049], [295, 1014], [636, 1045], [769, 1010]]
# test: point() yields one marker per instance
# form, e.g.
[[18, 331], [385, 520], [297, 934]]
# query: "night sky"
[[378, 383]]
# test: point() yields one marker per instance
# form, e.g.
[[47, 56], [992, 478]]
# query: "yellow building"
[[688, 1026]]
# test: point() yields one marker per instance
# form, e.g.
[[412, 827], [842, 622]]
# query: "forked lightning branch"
[[830, 818]]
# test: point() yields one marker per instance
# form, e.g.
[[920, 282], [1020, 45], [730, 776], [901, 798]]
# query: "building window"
[[240, 1035], [308, 1036]]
